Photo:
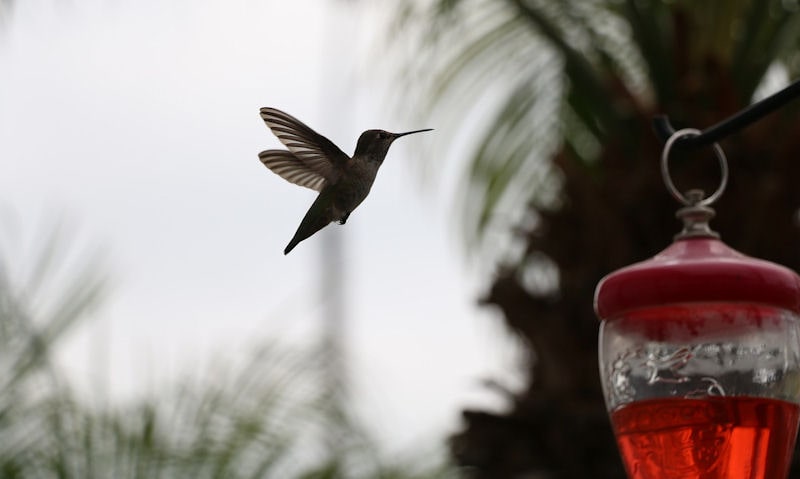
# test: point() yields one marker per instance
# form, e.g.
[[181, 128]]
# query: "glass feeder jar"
[[699, 353]]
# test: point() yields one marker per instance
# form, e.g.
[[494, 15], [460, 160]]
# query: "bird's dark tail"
[[295, 241], [312, 222]]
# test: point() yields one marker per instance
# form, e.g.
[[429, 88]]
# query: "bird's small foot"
[[343, 219]]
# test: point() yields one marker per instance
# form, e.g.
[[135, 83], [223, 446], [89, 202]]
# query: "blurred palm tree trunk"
[[338, 90]]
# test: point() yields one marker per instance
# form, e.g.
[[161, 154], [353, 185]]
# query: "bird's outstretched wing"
[[285, 164], [316, 152]]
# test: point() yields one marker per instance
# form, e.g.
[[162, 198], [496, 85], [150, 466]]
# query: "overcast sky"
[[136, 123]]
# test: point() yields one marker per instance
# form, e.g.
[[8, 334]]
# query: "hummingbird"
[[313, 161]]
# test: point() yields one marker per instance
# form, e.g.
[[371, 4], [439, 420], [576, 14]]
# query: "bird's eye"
[[383, 136]]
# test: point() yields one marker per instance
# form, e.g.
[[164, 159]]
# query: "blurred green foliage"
[[545, 107], [268, 416], [522, 82]]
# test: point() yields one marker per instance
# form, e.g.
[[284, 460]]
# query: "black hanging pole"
[[730, 125]]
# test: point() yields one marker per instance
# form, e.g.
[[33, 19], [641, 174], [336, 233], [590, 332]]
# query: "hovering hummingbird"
[[315, 162]]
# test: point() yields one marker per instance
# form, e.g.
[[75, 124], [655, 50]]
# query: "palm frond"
[[510, 155], [262, 416], [757, 42], [649, 22], [582, 74]]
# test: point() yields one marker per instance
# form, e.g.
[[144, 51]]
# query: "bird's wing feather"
[[290, 168], [318, 153]]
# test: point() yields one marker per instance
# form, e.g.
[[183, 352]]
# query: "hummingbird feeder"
[[699, 353]]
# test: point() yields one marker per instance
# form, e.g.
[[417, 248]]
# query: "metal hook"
[[732, 124]]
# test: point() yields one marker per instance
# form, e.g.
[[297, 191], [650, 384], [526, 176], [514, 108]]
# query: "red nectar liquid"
[[710, 438]]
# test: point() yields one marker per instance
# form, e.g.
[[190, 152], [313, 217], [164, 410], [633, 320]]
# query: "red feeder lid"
[[697, 269]]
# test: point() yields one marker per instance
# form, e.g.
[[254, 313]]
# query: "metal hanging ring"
[[723, 166]]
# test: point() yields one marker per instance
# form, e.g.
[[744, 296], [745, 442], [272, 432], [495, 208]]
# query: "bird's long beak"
[[398, 135]]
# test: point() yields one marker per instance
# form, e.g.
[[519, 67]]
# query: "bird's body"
[[335, 203], [315, 162]]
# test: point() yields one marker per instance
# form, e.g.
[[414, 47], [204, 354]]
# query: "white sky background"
[[138, 123]]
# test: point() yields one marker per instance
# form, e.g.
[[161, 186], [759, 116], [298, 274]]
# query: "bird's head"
[[374, 144]]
